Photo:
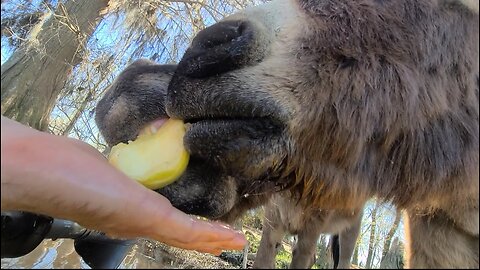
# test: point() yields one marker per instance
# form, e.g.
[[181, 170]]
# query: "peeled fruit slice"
[[156, 158]]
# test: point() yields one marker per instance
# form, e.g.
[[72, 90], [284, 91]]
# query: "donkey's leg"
[[436, 240], [348, 239], [306, 247], [272, 236]]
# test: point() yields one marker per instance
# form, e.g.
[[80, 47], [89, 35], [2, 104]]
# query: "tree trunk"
[[371, 243], [239, 226], [77, 114], [355, 254], [34, 75], [394, 257], [324, 258], [245, 257], [388, 238]]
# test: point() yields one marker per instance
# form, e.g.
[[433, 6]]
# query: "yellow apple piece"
[[156, 158]]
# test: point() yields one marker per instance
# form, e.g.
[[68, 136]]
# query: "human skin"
[[66, 178]]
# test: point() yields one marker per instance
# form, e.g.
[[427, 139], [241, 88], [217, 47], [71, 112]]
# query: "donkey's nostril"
[[217, 34], [220, 48]]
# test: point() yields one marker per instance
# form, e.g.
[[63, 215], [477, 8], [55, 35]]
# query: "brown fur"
[[421, 132], [284, 215], [338, 101]]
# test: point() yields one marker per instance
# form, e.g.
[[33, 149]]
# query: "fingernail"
[[241, 239], [240, 234]]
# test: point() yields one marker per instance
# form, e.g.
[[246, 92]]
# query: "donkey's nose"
[[223, 47]]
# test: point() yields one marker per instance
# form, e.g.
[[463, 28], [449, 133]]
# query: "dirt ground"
[[144, 254], [175, 258], [60, 254]]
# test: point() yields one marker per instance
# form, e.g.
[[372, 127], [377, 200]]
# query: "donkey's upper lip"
[[193, 120]]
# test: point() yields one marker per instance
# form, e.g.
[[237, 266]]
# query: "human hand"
[[67, 178]]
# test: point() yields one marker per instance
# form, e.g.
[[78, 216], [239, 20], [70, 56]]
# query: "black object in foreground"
[[22, 232]]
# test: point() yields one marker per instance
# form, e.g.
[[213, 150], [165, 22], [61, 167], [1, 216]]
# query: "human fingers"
[[201, 247], [172, 226], [161, 221], [89, 196], [208, 247]]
